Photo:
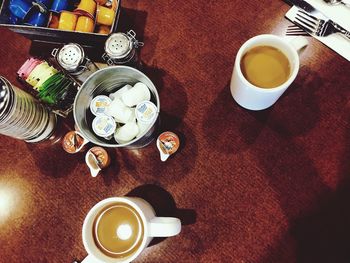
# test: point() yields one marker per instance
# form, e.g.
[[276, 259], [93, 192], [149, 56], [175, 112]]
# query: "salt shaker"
[[72, 59], [120, 49]]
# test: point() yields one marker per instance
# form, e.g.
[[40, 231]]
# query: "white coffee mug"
[[252, 97], [153, 227]]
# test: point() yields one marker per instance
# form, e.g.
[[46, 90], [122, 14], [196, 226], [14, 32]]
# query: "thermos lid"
[[70, 56], [118, 46]]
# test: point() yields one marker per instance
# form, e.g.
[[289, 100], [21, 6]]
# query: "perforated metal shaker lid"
[[118, 46], [70, 56]]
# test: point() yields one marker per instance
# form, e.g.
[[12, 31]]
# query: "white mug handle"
[[298, 42], [164, 227], [89, 259]]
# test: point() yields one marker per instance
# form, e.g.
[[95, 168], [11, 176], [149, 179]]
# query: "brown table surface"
[[268, 186]]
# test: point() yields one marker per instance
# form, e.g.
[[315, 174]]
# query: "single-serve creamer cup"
[[99, 105], [145, 112], [136, 94], [252, 97], [118, 94], [104, 126], [120, 112], [126, 132]]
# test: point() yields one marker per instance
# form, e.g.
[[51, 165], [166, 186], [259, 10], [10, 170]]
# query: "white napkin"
[[339, 14]]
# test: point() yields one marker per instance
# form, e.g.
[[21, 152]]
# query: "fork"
[[318, 27], [294, 30]]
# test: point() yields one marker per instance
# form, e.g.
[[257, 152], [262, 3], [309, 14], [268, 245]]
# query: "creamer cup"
[[118, 94], [136, 94], [167, 143], [104, 126], [120, 112], [126, 132], [146, 112], [99, 105]]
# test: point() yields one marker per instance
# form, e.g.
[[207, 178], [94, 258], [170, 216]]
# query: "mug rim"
[[93, 213], [285, 42]]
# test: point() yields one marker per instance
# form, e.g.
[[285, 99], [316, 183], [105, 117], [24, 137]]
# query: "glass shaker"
[[120, 49], [22, 116], [72, 59]]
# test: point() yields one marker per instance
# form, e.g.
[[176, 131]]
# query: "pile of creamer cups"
[[123, 115]]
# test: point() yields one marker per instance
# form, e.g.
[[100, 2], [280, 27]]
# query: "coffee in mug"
[[265, 67], [118, 230]]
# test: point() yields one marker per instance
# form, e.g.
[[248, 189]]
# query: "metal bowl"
[[104, 82]]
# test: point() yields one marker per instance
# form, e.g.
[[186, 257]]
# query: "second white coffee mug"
[[152, 226], [252, 97]]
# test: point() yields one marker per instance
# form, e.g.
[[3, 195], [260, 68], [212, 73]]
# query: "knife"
[[308, 8]]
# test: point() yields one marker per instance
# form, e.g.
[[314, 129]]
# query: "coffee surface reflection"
[[118, 230]]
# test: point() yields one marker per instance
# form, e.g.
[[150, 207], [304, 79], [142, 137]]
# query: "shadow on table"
[[172, 95], [321, 235], [164, 205], [230, 128], [49, 156], [111, 173], [53, 161], [132, 19], [298, 109], [294, 114], [319, 217], [145, 166]]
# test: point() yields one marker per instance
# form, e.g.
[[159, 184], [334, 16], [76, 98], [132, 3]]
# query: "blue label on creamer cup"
[[103, 126], [99, 105], [146, 112]]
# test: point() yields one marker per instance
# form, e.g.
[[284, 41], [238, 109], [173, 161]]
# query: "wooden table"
[[267, 186]]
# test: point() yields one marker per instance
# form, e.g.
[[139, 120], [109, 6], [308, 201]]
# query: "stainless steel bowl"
[[104, 82]]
